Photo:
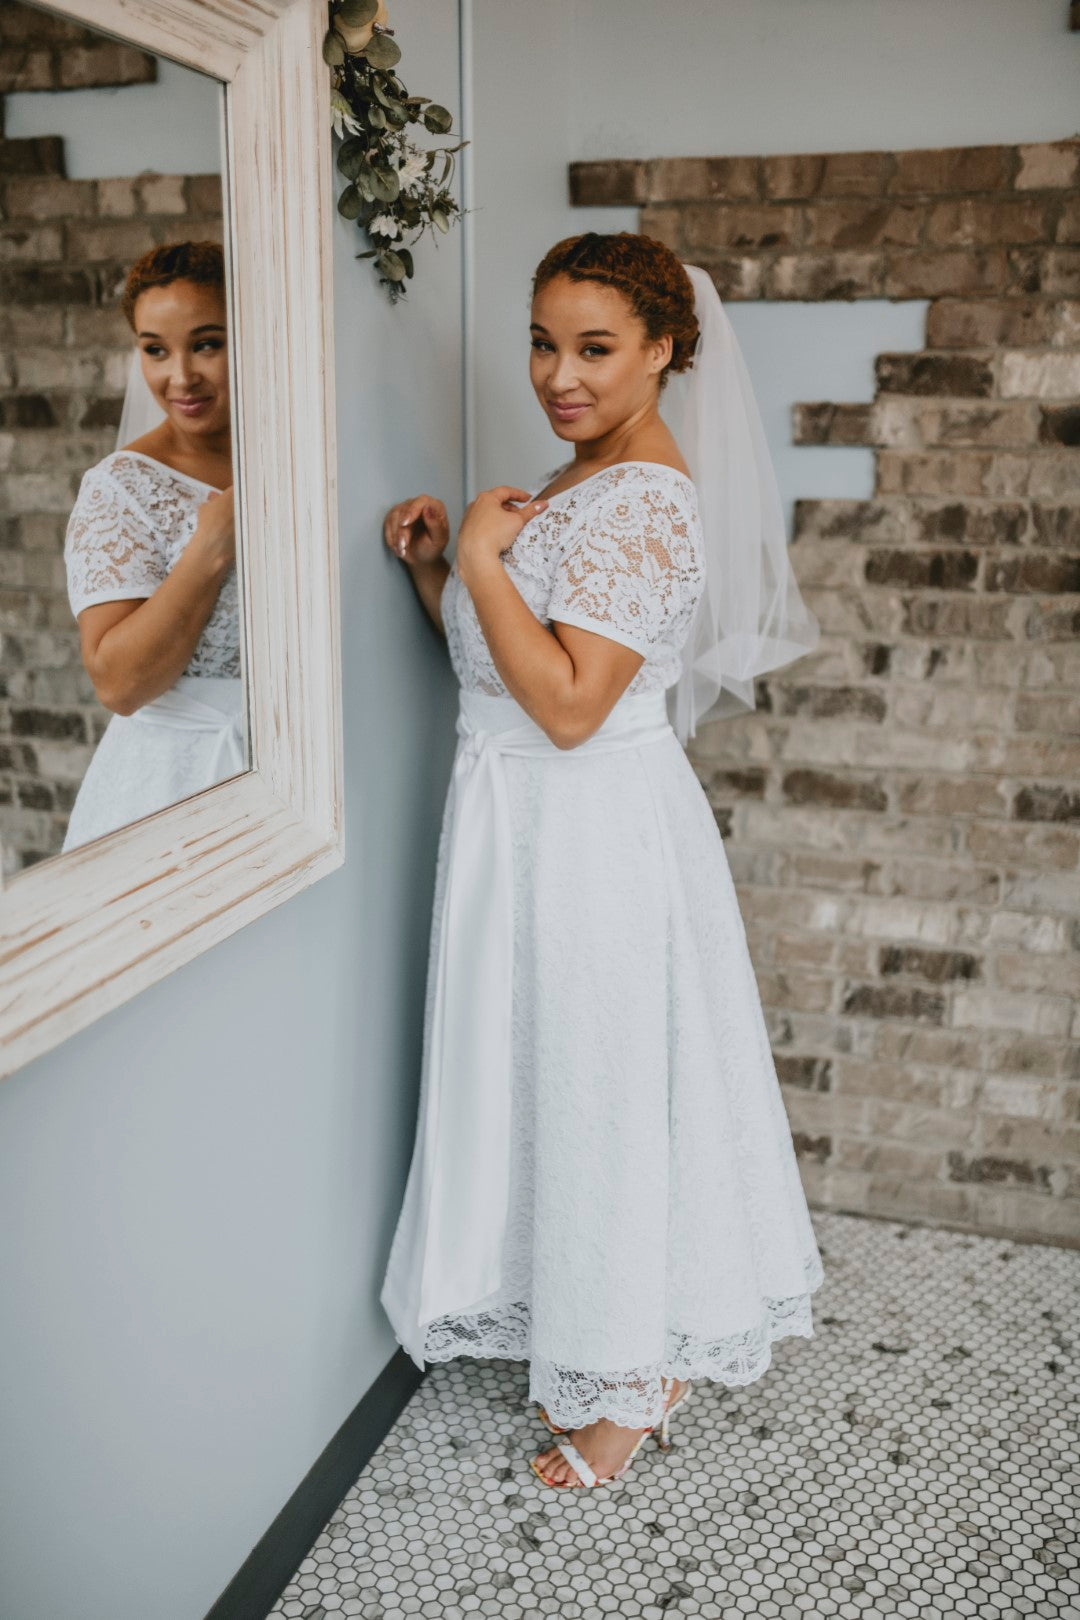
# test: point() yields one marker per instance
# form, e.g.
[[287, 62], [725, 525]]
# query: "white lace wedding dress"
[[132, 518], [656, 1220]]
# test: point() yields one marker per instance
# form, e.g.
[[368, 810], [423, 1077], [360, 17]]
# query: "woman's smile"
[[566, 413]]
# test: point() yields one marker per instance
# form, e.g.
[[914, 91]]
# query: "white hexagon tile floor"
[[917, 1456]]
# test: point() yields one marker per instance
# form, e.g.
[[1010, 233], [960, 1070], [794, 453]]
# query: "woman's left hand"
[[491, 524]]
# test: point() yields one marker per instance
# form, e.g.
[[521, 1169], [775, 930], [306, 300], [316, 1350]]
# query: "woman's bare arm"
[[566, 679], [136, 649]]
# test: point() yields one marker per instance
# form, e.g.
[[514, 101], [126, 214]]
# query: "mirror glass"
[[121, 669]]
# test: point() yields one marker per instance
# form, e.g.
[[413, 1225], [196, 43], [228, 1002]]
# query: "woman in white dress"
[[150, 556], [604, 1182]]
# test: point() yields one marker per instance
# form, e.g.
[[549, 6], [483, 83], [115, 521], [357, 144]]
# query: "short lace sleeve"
[[629, 569], [110, 550]]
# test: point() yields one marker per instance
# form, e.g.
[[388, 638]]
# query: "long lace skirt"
[[657, 1222]]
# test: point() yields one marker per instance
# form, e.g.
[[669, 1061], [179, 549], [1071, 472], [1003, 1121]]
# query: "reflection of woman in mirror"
[[603, 1182], [150, 556]]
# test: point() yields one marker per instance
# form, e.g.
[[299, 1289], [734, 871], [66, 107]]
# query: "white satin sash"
[[211, 703], [466, 1119]]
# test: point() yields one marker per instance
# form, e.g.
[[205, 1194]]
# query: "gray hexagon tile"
[[918, 1456]]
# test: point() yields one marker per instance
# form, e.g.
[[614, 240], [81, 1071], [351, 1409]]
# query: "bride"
[[603, 1182], [150, 555]]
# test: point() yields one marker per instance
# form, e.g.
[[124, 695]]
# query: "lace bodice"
[[132, 518], [620, 553]]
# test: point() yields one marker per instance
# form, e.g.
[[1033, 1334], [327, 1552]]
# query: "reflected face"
[[181, 334], [592, 365]]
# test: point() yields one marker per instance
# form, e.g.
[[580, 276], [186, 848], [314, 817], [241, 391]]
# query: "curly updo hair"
[[650, 276], [201, 262]]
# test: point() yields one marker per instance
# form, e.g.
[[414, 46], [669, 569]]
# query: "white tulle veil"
[[141, 411], [750, 617]]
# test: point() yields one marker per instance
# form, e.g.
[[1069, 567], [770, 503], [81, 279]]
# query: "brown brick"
[[611, 181], [734, 276], [958, 168], [847, 520], [929, 272], [1057, 526], [1048, 165], [816, 1147], [1017, 425], [944, 570], [804, 1073], [1060, 424], [939, 967], [969, 375], [1044, 572], [704, 179], [36, 154], [969, 617], [824, 423], [835, 791], [971, 523], [713, 228], [830, 702], [104, 62], [826, 174], [981, 221], [1048, 803], [826, 276], [859, 224], [49, 197], [893, 1001], [1050, 272]]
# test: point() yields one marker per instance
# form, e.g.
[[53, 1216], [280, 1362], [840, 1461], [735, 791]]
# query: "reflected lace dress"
[[657, 1223], [132, 518]]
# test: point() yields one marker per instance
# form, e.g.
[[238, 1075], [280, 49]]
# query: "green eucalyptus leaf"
[[382, 51], [351, 157], [349, 202], [407, 260], [396, 115], [365, 181], [438, 119], [440, 219], [355, 13], [385, 184], [381, 93], [376, 117], [391, 265], [333, 48]]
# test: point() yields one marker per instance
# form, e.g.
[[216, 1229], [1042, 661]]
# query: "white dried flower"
[[385, 225]]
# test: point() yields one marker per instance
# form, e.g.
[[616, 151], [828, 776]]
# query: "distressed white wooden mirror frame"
[[82, 932]]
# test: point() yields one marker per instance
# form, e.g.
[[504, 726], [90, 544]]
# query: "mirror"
[[84, 929], [121, 669]]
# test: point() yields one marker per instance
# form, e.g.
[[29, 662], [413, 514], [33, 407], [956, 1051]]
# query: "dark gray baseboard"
[[264, 1574]]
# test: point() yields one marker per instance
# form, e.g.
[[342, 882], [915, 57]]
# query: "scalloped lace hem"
[[573, 1397]]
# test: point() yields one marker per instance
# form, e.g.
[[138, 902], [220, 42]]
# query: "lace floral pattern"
[[132, 518], [620, 554], [573, 1398]]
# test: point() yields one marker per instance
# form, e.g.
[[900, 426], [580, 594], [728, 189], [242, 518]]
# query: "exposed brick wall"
[[65, 246], [902, 811]]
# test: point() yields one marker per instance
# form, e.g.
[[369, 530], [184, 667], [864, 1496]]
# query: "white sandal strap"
[[577, 1462]]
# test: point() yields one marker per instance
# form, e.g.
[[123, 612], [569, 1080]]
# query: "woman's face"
[[592, 366], [181, 333]]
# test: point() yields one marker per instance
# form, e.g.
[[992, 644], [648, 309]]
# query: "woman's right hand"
[[417, 530], [216, 528]]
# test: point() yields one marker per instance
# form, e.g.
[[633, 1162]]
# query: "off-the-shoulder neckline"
[[187, 477], [613, 467]]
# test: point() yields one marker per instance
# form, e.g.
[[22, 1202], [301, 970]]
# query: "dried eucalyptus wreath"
[[392, 185]]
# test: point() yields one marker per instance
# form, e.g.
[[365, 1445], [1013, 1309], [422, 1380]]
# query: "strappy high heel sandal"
[[665, 1384], [586, 1477]]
